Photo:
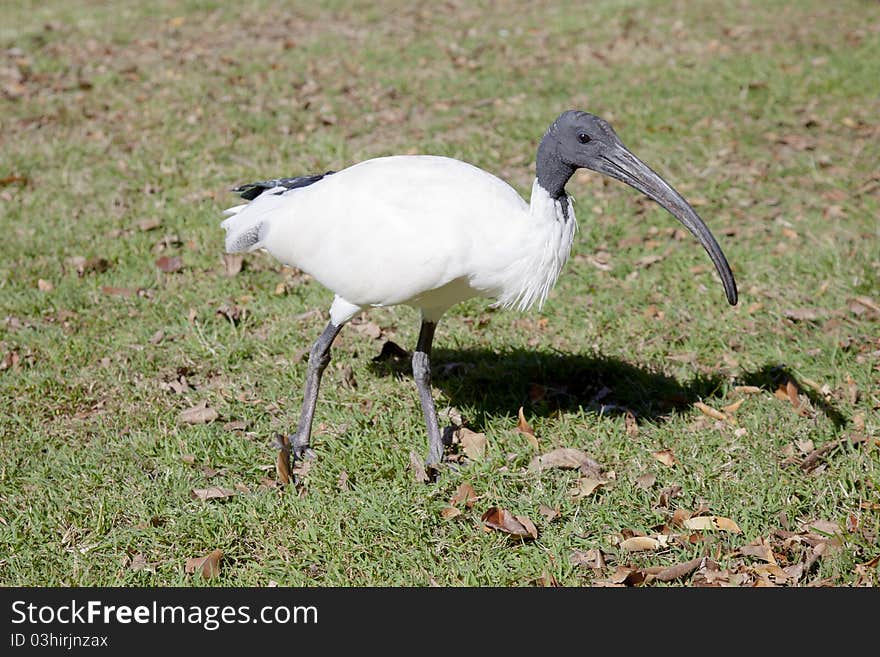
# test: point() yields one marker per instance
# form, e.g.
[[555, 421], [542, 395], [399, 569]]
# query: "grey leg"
[[421, 364], [318, 360]]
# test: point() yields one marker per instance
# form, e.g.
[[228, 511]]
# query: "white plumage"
[[418, 230]]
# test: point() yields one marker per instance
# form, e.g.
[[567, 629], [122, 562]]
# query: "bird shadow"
[[772, 378], [545, 382]]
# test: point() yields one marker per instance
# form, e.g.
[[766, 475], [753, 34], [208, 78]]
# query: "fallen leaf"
[[169, 264], [648, 260], [282, 459], [631, 424], [732, 408], [450, 512], [680, 516], [44, 285], [464, 493], [208, 565], [711, 412], [473, 443], [565, 458], [701, 523], [235, 425], [665, 456], [342, 482], [13, 179], [232, 263], [198, 414], [417, 465], [586, 486], [759, 549], [646, 480], [639, 544], [211, 493], [138, 562], [369, 329], [188, 458], [503, 520], [149, 224], [804, 314], [592, 558], [118, 291], [548, 513], [525, 428], [667, 494], [748, 390], [677, 571]]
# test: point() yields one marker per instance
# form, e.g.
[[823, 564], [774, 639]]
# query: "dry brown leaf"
[[473, 443], [198, 414], [748, 390], [667, 494], [212, 493], [646, 480], [679, 570], [503, 520], [146, 225], [526, 429], [138, 562], [235, 425], [592, 558], [759, 549], [631, 424], [526, 522], [701, 523], [732, 408], [369, 329], [586, 486], [680, 516], [548, 512], [639, 544], [450, 512], [208, 565], [804, 314], [711, 412], [418, 467], [169, 264], [464, 493], [282, 459], [44, 285], [232, 263], [565, 458], [665, 456]]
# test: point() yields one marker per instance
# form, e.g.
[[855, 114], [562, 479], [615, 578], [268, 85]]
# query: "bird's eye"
[[583, 137]]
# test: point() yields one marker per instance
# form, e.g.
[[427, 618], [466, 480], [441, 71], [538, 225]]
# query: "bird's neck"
[[542, 245], [551, 171]]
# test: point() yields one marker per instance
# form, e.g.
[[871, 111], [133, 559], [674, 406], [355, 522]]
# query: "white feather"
[[419, 230]]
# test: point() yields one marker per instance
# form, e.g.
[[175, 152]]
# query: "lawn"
[[733, 445]]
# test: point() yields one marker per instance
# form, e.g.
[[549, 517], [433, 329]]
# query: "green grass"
[[764, 114]]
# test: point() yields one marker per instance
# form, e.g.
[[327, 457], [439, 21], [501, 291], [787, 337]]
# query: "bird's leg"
[[421, 364], [318, 360]]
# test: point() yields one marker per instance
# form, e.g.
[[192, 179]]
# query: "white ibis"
[[430, 232]]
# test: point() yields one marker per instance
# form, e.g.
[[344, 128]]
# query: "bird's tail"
[[247, 224]]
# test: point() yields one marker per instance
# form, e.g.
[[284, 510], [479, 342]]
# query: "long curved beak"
[[619, 163]]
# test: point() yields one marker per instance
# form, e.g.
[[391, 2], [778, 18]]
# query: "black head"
[[578, 140]]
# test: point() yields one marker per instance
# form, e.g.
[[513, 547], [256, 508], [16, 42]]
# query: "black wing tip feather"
[[250, 191]]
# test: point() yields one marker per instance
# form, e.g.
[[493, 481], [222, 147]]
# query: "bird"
[[430, 232]]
